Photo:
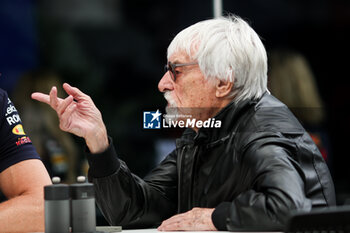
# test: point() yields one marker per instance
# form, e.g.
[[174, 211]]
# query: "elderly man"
[[247, 174], [22, 174]]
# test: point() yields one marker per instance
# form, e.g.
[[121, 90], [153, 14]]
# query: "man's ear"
[[223, 88]]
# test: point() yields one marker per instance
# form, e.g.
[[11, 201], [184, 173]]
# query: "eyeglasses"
[[171, 67]]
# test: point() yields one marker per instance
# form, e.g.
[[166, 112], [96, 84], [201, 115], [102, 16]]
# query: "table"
[[155, 231]]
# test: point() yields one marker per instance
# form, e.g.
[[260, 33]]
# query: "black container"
[[57, 208], [83, 213]]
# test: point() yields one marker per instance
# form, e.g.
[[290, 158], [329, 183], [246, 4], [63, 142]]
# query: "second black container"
[[83, 216]]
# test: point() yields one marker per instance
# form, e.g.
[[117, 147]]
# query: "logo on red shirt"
[[23, 140]]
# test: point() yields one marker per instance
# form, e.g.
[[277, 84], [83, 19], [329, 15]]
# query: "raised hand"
[[78, 115]]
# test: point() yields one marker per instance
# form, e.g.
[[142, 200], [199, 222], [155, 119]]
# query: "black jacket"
[[254, 170]]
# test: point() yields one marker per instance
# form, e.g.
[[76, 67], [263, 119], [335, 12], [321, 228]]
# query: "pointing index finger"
[[53, 98]]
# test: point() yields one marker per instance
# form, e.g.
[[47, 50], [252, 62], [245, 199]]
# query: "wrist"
[[103, 164], [97, 141], [220, 215]]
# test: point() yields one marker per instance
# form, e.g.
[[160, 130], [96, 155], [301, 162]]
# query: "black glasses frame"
[[172, 66]]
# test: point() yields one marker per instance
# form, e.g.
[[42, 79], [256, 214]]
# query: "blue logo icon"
[[151, 120]]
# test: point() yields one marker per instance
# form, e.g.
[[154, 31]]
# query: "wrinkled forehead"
[[178, 57], [189, 51]]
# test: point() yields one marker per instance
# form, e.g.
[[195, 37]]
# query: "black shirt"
[[15, 145]]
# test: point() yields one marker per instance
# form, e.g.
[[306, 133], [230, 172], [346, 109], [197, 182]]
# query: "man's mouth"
[[169, 99]]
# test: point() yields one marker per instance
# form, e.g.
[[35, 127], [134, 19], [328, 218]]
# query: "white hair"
[[227, 49]]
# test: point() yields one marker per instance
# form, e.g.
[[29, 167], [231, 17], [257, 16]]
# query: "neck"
[[212, 112]]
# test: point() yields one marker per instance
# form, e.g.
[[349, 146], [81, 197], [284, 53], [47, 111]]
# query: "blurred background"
[[115, 51]]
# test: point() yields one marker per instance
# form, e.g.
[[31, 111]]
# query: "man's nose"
[[165, 84]]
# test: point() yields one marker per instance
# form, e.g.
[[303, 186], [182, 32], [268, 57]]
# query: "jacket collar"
[[228, 116]]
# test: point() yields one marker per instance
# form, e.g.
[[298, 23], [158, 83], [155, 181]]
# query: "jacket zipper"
[[180, 179], [193, 174]]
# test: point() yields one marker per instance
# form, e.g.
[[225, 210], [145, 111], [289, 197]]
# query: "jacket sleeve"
[[127, 200], [276, 188]]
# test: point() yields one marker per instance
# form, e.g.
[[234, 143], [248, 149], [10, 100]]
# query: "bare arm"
[[22, 184], [78, 115]]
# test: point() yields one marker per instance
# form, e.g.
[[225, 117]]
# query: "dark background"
[[114, 50]]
